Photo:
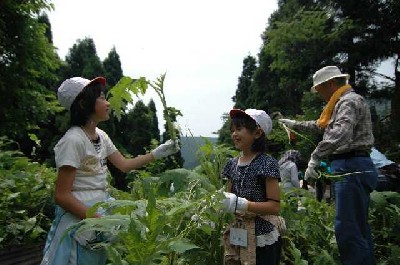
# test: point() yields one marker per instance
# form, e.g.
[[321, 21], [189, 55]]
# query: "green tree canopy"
[[112, 67], [82, 60], [28, 64], [242, 95]]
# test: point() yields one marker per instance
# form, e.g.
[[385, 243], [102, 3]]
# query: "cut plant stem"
[[158, 86]]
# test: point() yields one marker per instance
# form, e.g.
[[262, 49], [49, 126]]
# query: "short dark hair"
[[245, 121], [83, 106], [340, 81]]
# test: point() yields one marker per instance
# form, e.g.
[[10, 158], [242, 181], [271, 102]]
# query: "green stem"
[[299, 134], [159, 88]]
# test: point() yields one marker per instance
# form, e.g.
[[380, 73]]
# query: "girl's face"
[[101, 109], [243, 138]]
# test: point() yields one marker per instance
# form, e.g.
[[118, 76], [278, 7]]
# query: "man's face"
[[325, 90]]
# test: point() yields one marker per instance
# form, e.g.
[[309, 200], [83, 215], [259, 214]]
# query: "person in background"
[[346, 126], [253, 192], [379, 159], [289, 170], [389, 172], [81, 159]]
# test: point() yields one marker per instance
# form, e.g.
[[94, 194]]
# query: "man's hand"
[[287, 122], [311, 174], [168, 148], [233, 203]]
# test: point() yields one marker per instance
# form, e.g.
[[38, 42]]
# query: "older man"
[[347, 140]]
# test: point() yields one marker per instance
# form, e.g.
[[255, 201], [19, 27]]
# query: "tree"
[[112, 67], [155, 131], [241, 97], [82, 60], [224, 134], [374, 37], [113, 73], [136, 133], [304, 35], [27, 66]]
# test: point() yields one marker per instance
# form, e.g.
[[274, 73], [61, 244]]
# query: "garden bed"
[[22, 255]]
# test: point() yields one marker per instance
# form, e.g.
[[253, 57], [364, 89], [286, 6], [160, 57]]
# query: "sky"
[[200, 45]]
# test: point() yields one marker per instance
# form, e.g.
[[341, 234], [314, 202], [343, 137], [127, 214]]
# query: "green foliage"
[[24, 197], [224, 134], [27, 68], [310, 236], [121, 94], [112, 67], [212, 160], [242, 96], [170, 113], [385, 212], [137, 129], [82, 60], [164, 227]]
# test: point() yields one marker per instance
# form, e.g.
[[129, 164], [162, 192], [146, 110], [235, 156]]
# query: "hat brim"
[[98, 79], [313, 90], [237, 112]]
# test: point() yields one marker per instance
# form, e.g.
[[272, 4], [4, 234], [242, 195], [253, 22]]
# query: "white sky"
[[199, 44]]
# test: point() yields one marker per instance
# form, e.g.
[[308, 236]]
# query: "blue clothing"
[[379, 159], [62, 247], [352, 196]]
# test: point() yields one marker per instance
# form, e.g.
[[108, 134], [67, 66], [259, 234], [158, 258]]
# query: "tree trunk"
[[395, 104]]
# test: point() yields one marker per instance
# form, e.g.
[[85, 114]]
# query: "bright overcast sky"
[[199, 44]]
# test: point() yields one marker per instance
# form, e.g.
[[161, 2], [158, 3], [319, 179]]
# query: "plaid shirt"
[[350, 127]]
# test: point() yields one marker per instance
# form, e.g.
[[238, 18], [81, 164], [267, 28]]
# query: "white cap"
[[326, 73], [259, 116], [70, 89]]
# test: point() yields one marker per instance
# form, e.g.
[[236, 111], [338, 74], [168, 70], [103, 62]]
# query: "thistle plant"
[[124, 91], [158, 86]]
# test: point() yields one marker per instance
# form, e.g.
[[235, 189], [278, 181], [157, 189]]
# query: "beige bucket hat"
[[326, 73]]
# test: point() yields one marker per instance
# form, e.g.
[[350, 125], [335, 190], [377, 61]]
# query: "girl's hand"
[[233, 203]]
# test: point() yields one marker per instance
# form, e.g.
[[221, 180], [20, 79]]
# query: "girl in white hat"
[[253, 192], [81, 160]]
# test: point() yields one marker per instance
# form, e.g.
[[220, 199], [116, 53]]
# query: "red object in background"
[[292, 136]]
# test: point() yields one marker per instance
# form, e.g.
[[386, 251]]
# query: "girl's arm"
[[229, 185], [272, 206], [63, 192], [128, 164]]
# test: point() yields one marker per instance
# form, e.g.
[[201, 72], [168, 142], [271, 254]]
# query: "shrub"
[[25, 197]]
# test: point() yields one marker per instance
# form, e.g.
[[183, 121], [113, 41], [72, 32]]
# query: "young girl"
[[81, 157], [253, 192]]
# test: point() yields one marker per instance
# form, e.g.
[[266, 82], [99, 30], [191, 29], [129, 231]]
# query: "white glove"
[[311, 173], [168, 148], [287, 122], [233, 202]]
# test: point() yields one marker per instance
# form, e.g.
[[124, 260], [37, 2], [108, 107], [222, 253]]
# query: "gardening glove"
[[168, 148], [233, 203], [311, 174], [287, 122]]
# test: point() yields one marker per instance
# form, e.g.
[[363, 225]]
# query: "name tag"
[[238, 237]]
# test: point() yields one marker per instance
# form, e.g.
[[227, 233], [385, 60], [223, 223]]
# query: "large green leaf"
[[182, 245]]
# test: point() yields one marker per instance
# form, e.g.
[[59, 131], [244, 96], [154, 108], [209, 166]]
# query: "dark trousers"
[[269, 255], [352, 198]]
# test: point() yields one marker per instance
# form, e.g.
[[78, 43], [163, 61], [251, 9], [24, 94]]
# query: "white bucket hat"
[[70, 89], [259, 116], [325, 74]]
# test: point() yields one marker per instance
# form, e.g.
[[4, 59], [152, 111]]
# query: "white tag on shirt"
[[238, 237]]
